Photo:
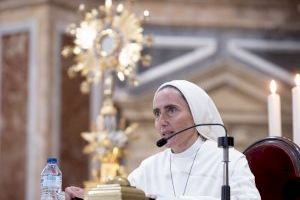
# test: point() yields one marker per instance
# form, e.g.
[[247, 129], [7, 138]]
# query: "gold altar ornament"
[[108, 138], [108, 41], [115, 192], [108, 38]]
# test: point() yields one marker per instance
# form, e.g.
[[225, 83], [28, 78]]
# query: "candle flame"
[[81, 7], [108, 4], [146, 13], [120, 8], [297, 80], [273, 87]]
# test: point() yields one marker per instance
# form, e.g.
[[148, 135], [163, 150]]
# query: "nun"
[[191, 166]]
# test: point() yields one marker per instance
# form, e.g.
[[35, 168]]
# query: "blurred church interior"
[[231, 48]]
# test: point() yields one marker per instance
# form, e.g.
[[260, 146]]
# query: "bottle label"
[[51, 181]]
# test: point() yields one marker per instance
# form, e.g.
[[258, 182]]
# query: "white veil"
[[201, 106]]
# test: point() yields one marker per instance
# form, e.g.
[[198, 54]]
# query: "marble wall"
[[14, 99], [42, 110]]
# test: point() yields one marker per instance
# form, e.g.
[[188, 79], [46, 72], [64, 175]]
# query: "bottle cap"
[[52, 160]]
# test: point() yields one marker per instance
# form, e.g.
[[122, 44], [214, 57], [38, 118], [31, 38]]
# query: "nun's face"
[[172, 114]]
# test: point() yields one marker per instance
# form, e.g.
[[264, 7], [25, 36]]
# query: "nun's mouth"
[[167, 134]]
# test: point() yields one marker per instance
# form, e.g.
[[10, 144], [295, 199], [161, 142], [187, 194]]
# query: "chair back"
[[275, 163]]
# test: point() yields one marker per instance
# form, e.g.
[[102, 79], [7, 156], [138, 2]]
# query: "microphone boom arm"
[[163, 141]]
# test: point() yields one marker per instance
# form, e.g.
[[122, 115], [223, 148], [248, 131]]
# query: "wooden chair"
[[275, 163]]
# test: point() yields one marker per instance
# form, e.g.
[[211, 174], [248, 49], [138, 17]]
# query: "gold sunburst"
[[108, 38]]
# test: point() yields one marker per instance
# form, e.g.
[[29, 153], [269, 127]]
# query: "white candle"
[[296, 110], [274, 111], [108, 4]]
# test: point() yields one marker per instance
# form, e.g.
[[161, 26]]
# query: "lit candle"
[[296, 110], [274, 111], [108, 4]]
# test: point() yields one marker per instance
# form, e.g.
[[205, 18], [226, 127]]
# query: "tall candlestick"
[[296, 110], [274, 111]]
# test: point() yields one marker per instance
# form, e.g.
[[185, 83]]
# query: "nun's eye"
[[156, 113], [171, 109]]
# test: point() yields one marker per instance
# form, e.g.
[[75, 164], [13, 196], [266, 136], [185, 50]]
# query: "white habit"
[[153, 176]]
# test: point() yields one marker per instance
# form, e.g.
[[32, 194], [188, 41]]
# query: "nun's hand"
[[73, 192]]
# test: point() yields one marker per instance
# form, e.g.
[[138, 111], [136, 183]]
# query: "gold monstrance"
[[109, 40]]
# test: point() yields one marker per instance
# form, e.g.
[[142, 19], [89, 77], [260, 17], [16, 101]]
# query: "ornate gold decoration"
[[108, 38], [108, 138]]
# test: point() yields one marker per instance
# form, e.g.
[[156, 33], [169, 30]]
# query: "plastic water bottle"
[[51, 181]]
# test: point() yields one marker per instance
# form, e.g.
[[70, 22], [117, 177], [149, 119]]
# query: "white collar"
[[189, 151]]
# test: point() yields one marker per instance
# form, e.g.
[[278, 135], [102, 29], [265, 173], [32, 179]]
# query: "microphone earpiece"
[[161, 142]]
